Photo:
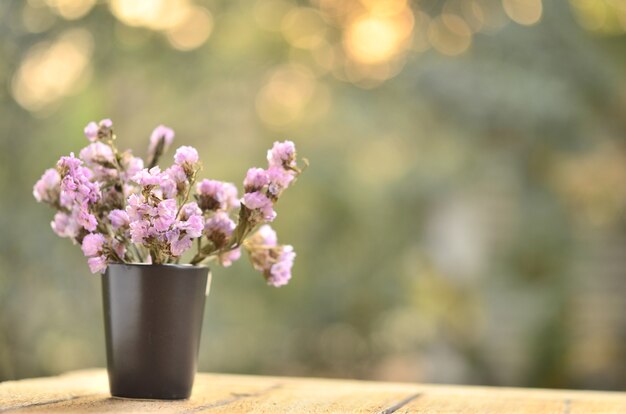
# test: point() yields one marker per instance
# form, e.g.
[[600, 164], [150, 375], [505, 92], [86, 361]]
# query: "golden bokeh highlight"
[[185, 25], [450, 35], [71, 9], [152, 14], [192, 31], [285, 95], [303, 27], [385, 8], [372, 40], [380, 34], [51, 71], [364, 42], [525, 12]]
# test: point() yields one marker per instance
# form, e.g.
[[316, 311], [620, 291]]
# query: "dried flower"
[[48, 187], [92, 244], [227, 258], [91, 131], [120, 210], [149, 177], [282, 154], [190, 209], [118, 219], [160, 141], [219, 228], [97, 264], [65, 225], [279, 180], [260, 205], [256, 179], [175, 181], [216, 195], [101, 130], [97, 153], [186, 155], [270, 258]]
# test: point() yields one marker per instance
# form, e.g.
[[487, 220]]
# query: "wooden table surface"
[[87, 391]]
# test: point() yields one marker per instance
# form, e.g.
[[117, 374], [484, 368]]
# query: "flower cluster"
[[122, 210], [270, 258], [264, 187]]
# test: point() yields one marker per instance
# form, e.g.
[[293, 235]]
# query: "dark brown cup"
[[152, 322]]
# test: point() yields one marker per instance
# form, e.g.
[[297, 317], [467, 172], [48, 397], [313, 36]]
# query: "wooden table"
[[87, 391]]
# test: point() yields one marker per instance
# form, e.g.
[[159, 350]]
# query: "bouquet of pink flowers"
[[122, 210]]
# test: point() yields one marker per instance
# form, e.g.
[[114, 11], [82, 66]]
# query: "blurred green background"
[[463, 218]]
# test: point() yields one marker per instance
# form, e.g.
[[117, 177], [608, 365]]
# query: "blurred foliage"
[[462, 219]]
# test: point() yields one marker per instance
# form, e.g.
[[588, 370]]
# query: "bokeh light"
[[373, 39], [191, 31], [526, 12], [303, 27], [71, 9], [450, 35], [153, 14], [284, 97], [51, 71]]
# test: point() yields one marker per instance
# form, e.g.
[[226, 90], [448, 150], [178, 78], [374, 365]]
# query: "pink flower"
[[97, 153], [179, 244], [216, 195], [118, 218], [193, 226], [94, 131], [65, 226], [48, 187], [260, 204], [137, 207], [256, 179], [161, 134], [139, 231], [175, 181], [131, 165], [92, 244], [270, 258], [76, 184], [219, 228], [190, 209], [86, 219], [280, 272], [230, 194], [166, 211], [119, 248], [279, 180], [91, 131], [106, 123], [180, 237], [151, 177], [186, 155], [97, 264], [266, 236], [282, 154], [227, 258]]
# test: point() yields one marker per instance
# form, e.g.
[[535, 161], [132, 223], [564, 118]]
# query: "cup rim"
[[162, 265]]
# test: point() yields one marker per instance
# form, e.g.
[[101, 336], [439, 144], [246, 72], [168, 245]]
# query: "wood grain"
[[87, 391]]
